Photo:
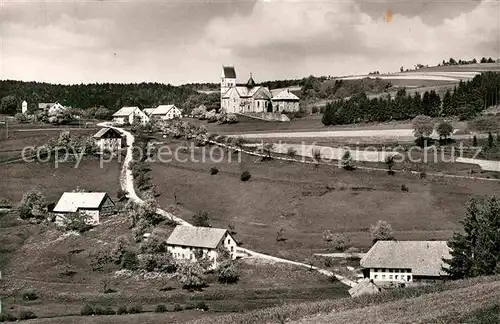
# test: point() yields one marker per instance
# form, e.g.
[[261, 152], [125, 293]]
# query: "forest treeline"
[[466, 100], [112, 96]]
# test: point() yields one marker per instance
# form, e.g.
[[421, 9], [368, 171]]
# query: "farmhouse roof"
[[229, 72], [424, 258], [148, 111], [365, 286], [201, 237], [45, 105], [70, 202], [286, 95], [103, 131], [163, 109], [125, 111]]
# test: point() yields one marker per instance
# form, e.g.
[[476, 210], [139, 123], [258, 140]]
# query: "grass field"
[[56, 267], [305, 200]]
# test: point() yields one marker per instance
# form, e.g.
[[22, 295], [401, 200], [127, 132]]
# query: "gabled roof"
[[45, 105], [125, 111], [261, 93], [200, 237], [251, 83], [257, 92], [365, 286], [228, 72], [163, 109], [103, 131], [70, 202], [148, 111], [424, 258], [286, 95]]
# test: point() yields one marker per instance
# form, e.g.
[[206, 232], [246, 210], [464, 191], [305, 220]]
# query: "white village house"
[[128, 115], [285, 101], [95, 205], [166, 112], [405, 261], [51, 108], [108, 139], [185, 240]]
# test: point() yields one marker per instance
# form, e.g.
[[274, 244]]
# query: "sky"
[[176, 42]]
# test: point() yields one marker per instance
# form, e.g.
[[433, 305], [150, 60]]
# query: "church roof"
[[229, 72], [257, 92], [250, 82]]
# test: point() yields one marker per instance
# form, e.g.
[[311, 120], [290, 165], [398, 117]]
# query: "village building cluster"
[[250, 97]]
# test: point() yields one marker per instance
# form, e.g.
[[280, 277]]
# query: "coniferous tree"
[[474, 251]]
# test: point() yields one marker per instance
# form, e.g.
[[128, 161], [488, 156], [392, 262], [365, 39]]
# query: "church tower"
[[227, 79]]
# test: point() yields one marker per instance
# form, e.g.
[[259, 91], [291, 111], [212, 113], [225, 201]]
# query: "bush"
[[404, 188], [291, 152], [129, 261], [29, 295], [190, 275], [315, 110], [121, 194], [201, 305], [214, 171], [348, 162], [245, 176], [135, 309], [87, 310], [338, 242], [328, 262], [382, 231], [161, 308], [201, 219], [177, 308], [227, 273], [7, 318], [122, 310], [32, 205], [26, 315]]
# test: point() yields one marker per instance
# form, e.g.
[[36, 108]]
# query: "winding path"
[[127, 183]]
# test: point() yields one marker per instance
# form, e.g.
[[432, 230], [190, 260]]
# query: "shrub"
[[328, 262], [26, 315], [129, 261], [226, 273], [347, 161], [121, 194], [122, 310], [160, 308], [214, 171], [177, 308], [404, 188], [190, 275], [109, 311], [201, 219], [316, 153], [7, 317], [291, 152], [135, 309], [29, 295], [315, 110], [99, 311], [338, 242], [382, 231], [201, 305], [87, 310], [32, 205], [245, 176]]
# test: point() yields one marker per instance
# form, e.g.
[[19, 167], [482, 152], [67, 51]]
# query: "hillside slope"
[[428, 308]]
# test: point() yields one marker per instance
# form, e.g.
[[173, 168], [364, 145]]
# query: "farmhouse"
[[108, 139], [95, 205], [243, 98], [166, 112], [185, 240], [51, 108], [285, 101], [128, 115], [405, 261]]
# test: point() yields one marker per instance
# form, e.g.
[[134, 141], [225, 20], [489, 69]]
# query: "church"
[[243, 98]]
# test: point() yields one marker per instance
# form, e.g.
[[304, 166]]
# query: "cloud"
[[319, 34], [177, 42]]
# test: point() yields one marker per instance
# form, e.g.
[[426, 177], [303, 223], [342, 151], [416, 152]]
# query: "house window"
[[375, 270], [232, 248], [383, 276], [390, 277], [396, 277], [375, 277], [409, 278], [228, 241]]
